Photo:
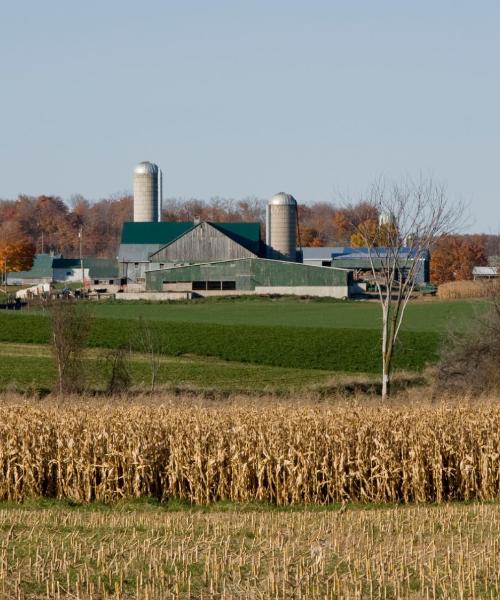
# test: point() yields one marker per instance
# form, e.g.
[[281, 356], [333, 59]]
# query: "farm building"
[[49, 268], [208, 258], [222, 258], [151, 245], [358, 259], [251, 275]]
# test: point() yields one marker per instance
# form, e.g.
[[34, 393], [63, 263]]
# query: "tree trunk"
[[388, 339]]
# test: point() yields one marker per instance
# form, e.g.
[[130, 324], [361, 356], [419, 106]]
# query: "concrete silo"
[[281, 227], [147, 192]]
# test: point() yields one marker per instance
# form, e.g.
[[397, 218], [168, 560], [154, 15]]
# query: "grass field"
[[54, 550], [430, 315], [31, 367], [296, 336]]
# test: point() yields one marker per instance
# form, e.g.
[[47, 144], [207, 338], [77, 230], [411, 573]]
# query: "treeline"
[[52, 225]]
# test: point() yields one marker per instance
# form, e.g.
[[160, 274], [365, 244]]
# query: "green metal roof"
[[164, 233], [98, 267], [153, 233], [42, 268], [245, 234]]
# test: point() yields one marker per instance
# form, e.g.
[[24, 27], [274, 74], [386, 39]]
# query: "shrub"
[[470, 361]]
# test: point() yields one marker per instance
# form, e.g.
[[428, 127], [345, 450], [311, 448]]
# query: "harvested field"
[[279, 453], [447, 552], [459, 290]]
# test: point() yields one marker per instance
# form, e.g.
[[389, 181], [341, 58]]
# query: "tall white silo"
[[147, 192], [281, 227]]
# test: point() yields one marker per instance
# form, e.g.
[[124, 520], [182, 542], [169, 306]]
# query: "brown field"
[[282, 453], [448, 552], [457, 290]]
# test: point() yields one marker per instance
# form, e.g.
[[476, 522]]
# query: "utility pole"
[[4, 274], [81, 256]]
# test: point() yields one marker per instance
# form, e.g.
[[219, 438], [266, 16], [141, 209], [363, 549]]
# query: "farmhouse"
[[48, 268]]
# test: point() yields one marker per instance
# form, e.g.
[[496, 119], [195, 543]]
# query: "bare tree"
[[412, 215], [71, 323], [148, 341], [119, 377]]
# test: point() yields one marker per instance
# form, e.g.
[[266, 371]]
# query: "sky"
[[237, 99]]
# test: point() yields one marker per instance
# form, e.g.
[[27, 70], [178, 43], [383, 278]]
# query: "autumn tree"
[[15, 256], [454, 257], [381, 233], [311, 237]]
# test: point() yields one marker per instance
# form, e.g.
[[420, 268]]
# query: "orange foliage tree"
[[382, 234], [16, 256], [311, 237], [454, 257]]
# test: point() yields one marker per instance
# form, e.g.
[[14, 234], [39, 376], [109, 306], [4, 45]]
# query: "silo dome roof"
[[283, 199], [146, 168]]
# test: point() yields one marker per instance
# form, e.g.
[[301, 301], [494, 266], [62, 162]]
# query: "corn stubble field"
[[446, 552], [262, 454]]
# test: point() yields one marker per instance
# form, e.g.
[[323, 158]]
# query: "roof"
[[164, 233], [318, 253], [379, 252], [146, 168], [44, 264], [282, 199], [137, 252], [245, 234], [155, 232], [488, 271], [42, 267], [98, 267]]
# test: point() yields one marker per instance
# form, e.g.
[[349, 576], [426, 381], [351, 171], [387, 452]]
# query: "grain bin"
[[281, 227], [147, 192]]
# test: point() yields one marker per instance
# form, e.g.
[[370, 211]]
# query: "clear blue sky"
[[249, 98]]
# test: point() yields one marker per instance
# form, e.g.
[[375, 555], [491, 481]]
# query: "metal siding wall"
[[287, 274], [238, 271], [252, 272], [203, 243]]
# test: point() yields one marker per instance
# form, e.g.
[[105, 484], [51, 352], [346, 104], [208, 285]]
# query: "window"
[[110, 282], [214, 285], [96, 281], [136, 264], [68, 273], [326, 263]]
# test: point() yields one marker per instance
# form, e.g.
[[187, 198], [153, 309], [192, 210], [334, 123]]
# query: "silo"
[[147, 192], [281, 227]]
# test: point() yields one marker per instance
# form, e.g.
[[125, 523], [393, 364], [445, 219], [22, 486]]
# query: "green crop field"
[[253, 344], [346, 350], [430, 315]]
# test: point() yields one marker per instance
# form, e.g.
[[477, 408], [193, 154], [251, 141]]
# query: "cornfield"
[[278, 453], [449, 552], [455, 290]]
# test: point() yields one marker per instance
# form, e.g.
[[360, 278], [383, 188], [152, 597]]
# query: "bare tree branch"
[[412, 214]]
